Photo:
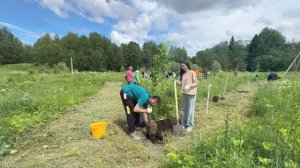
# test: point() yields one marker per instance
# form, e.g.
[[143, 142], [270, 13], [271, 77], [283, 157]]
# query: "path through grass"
[[66, 142]]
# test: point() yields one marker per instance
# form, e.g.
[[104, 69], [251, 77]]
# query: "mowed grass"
[[29, 99], [66, 141]]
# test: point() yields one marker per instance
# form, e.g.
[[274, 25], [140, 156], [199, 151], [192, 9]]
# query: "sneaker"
[[189, 129], [134, 136]]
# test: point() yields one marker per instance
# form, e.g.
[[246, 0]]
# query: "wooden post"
[[72, 65], [292, 63], [225, 85], [207, 99]]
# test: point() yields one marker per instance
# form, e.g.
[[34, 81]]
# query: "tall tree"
[[149, 50], [178, 54], [221, 52], [237, 54], [47, 51], [99, 46], [252, 53], [131, 53], [11, 48], [269, 42], [205, 59], [116, 59]]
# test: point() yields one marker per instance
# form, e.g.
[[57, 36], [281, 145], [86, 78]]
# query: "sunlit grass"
[[29, 100], [269, 139]]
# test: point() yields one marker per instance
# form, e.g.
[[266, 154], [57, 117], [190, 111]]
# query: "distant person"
[[189, 84], [137, 100], [137, 77], [129, 75], [145, 74], [197, 71], [205, 74]]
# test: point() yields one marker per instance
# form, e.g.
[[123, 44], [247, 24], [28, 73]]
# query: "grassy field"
[[45, 115], [270, 138], [29, 99]]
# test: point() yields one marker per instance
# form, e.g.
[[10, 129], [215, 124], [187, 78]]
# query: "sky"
[[193, 24]]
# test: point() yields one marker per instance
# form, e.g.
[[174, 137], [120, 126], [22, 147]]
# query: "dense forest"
[[267, 51]]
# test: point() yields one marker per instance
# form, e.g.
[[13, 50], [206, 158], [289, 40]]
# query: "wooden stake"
[[225, 85], [72, 65], [207, 99], [292, 63]]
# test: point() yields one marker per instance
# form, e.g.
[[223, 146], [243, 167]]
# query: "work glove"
[[149, 109], [186, 87], [174, 75]]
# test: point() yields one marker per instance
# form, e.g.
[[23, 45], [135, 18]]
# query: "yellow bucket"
[[98, 129]]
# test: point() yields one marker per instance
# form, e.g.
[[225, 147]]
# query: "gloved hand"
[[149, 109], [186, 87]]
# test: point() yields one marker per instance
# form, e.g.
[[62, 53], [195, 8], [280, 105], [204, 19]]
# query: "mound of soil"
[[217, 98], [154, 129]]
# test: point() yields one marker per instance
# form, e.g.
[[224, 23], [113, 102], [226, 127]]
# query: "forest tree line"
[[267, 51]]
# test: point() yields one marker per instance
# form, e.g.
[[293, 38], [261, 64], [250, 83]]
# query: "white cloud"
[[24, 32], [193, 24], [140, 27], [159, 18], [144, 5], [120, 38], [174, 37], [59, 7], [93, 10], [195, 6], [265, 21]]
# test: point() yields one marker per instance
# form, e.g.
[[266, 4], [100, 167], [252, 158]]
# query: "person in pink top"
[[129, 75], [188, 82]]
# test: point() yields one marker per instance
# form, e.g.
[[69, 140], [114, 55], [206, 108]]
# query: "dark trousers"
[[133, 118]]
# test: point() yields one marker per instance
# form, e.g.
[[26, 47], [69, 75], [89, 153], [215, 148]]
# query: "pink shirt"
[[189, 78], [129, 76]]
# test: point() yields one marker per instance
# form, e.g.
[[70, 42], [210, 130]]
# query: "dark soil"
[[217, 98], [154, 129]]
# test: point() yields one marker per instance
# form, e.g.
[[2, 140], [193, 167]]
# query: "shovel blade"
[[178, 129]]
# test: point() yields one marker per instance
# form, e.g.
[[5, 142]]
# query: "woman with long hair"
[[188, 82]]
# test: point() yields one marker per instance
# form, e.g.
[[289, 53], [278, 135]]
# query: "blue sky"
[[193, 24]]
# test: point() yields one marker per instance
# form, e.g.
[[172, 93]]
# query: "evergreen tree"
[[237, 54], [252, 53]]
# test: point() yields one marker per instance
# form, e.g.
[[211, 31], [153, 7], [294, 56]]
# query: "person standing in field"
[[137, 77], [129, 75], [136, 100], [145, 74], [188, 84]]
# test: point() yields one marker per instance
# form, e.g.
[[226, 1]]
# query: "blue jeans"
[[188, 110]]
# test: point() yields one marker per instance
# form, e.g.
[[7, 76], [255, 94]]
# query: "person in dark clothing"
[[205, 74], [137, 100]]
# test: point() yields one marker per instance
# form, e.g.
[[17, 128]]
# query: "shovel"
[[177, 129]]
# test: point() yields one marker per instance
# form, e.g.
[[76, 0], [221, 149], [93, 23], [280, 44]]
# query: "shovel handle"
[[176, 103]]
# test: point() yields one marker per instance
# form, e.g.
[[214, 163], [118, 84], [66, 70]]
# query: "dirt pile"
[[154, 129]]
